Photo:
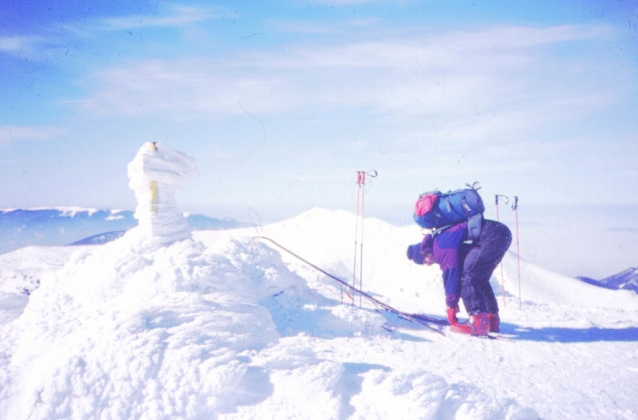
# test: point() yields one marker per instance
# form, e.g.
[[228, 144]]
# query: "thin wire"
[[501, 263], [518, 253]]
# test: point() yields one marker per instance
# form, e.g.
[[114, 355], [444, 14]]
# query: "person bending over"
[[467, 269]]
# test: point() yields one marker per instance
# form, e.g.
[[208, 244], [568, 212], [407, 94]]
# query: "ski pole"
[[501, 263], [362, 188], [368, 297], [518, 252], [358, 242], [361, 180]]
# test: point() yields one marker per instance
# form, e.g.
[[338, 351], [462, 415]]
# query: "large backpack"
[[437, 210]]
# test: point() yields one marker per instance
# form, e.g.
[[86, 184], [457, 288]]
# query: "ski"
[[392, 324], [489, 336], [438, 321], [501, 336], [427, 323]]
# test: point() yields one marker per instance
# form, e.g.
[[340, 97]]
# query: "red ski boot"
[[495, 323], [477, 325], [451, 315]]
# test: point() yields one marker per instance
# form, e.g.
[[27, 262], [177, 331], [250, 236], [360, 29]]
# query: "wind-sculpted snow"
[[183, 332], [155, 174], [223, 326], [123, 334], [20, 274]]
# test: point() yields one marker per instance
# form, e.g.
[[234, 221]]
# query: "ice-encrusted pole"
[[155, 174]]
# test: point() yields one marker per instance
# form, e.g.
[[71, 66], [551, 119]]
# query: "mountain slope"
[[223, 326], [627, 279]]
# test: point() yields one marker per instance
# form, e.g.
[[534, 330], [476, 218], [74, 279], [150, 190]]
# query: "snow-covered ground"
[[162, 324], [224, 326]]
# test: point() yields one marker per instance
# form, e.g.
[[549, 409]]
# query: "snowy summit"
[[167, 324]]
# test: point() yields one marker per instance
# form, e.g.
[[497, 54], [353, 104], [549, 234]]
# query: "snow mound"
[[217, 330], [130, 334], [162, 324], [21, 272], [326, 237]]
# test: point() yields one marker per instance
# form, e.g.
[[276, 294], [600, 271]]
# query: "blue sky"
[[282, 104]]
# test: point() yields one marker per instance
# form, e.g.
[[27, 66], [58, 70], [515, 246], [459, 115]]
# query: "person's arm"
[[446, 254], [452, 284]]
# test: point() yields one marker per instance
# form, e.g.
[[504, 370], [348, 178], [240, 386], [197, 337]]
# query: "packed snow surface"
[[167, 324], [225, 326]]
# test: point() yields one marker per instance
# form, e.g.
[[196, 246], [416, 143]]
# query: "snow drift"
[[165, 324], [222, 326]]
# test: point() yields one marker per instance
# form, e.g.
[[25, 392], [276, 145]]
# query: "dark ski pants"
[[479, 264]]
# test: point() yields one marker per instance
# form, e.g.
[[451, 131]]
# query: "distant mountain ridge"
[[82, 226], [627, 280], [100, 238]]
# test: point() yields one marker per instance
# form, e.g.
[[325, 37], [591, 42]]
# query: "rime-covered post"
[[155, 174]]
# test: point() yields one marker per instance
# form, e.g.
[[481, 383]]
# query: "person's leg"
[[479, 265], [476, 274], [470, 294]]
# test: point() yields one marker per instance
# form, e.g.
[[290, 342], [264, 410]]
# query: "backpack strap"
[[475, 186], [440, 230], [474, 227]]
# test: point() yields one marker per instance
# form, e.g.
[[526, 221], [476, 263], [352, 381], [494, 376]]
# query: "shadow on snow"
[[572, 335]]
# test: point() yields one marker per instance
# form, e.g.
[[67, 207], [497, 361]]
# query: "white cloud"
[[443, 73], [10, 134], [335, 28], [182, 16], [472, 108], [342, 2], [304, 27], [23, 46], [493, 40], [13, 43]]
